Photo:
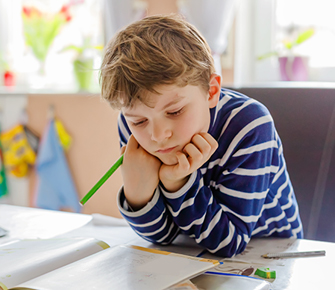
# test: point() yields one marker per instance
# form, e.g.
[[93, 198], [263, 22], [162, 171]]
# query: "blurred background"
[[248, 38], [50, 55]]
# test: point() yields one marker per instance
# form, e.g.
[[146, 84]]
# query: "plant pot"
[[83, 70], [293, 68]]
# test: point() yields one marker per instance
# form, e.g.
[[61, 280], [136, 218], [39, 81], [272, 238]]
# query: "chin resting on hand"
[[194, 155]]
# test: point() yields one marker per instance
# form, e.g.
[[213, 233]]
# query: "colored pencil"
[[103, 179]]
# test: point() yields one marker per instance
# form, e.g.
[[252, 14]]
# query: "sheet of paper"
[[225, 282], [22, 260], [33, 223], [185, 285], [122, 267]]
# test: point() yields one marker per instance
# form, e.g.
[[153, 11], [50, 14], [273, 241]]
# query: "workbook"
[[22, 260], [86, 263]]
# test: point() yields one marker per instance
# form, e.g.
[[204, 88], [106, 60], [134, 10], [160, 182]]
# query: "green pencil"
[[103, 179]]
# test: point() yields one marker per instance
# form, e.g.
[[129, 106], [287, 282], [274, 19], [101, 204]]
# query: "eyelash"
[[173, 114], [176, 113], [138, 123]]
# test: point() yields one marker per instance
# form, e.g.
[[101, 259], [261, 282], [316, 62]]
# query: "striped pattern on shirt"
[[242, 191]]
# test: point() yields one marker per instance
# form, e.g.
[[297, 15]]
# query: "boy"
[[198, 159]]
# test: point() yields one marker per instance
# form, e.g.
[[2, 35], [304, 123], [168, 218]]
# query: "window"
[[83, 28], [299, 14], [261, 25]]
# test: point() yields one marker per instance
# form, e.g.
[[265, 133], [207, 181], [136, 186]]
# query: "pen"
[[295, 254], [103, 179], [233, 275]]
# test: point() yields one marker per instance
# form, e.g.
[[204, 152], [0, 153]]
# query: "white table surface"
[[293, 273]]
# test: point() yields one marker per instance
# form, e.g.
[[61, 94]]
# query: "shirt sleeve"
[[153, 222], [223, 200]]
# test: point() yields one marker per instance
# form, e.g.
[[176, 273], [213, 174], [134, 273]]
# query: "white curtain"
[[213, 18], [11, 35], [120, 13]]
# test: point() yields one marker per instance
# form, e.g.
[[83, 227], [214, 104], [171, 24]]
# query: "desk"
[[295, 273], [291, 273]]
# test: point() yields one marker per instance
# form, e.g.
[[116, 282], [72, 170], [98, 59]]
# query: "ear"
[[214, 90]]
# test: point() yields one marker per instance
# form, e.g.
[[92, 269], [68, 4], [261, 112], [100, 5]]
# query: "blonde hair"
[[157, 50]]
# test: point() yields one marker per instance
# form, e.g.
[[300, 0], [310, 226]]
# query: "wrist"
[[135, 202], [174, 185], [126, 210], [136, 206]]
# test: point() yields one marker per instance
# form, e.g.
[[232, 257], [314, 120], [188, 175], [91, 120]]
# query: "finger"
[[183, 162], [194, 154], [123, 149], [202, 144], [132, 143], [211, 140]]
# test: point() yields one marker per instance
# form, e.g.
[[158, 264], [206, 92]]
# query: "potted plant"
[[292, 67], [40, 30], [83, 63]]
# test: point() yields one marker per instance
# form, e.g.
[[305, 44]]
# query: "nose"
[[160, 131]]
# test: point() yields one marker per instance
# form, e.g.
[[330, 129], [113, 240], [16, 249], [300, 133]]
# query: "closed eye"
[[176, 113], [139, 123]]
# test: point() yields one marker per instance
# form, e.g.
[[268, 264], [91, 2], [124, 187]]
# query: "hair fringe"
[[157, 50]]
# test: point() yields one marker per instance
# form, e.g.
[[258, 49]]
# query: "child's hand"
[[194, 154], [140, 174]]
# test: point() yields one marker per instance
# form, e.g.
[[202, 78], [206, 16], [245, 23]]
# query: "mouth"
[[166, 150]]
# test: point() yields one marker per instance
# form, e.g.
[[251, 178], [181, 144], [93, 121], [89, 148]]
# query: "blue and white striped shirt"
[[242, 191]]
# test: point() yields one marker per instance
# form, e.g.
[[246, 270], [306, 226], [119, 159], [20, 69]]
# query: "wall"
[[11, 112], [92, 125], [162, 7]]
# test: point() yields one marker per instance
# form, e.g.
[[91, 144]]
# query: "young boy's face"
[[170, 120]]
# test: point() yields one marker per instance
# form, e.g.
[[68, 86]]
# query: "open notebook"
[[86, 263]]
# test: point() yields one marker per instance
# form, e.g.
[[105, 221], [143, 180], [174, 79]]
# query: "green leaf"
[[73, 47], [288, 44], [98, 47], [302, 37], [266, 55], [3, 64]]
